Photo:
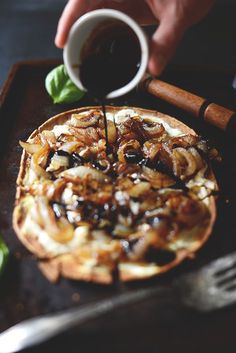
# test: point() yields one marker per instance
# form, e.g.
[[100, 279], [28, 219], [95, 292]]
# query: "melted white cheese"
[[139, 270], [67, 196], [59, 130], [123, 115], [110, 116]]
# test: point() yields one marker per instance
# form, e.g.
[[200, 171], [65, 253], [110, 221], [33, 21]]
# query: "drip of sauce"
[[105, 127], [109, 60]]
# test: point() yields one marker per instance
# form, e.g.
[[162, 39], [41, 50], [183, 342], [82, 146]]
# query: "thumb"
[[164, 43]]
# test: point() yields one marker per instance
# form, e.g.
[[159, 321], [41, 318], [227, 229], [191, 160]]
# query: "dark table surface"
[[27, 32]]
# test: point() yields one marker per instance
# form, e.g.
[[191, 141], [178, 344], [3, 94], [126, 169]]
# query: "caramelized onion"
[[157, 179], [41, 156], [132, 144], [132, 128], [184, 163], [131, 170], [123, 130], [149, 203], [83, 120], [103, 164], [59, 230], [183, 141], [50, 189], [166, 155], [151, 238], [48, 137], [139, 189], [181, 156], [152, 128], [57, 189], [30, 148], [111, 131], [70, 146], [39, 171], [101, 145], [151, 149], [122, 231], [124, 183], [83, 172], [137, 127], [198, 159], [87, 136], [94, 151], [39, 160]]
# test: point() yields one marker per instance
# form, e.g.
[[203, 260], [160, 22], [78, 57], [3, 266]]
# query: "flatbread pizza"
[[135, 207]]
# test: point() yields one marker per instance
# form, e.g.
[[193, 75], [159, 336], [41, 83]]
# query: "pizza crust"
[[68, 265]]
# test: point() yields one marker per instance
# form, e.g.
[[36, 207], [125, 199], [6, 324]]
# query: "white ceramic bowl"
[[79, 34]]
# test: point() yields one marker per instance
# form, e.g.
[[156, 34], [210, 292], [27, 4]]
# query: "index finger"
[[73, 10]]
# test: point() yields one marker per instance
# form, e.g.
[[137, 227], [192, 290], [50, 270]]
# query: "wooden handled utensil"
[[199, 107]]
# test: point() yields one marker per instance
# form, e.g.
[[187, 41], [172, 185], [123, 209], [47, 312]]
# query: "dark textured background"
[[27, 29]]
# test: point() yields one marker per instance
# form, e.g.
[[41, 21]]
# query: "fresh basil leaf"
[[4, 253], [60, 87]]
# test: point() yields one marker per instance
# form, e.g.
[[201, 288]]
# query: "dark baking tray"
[[154, 326]]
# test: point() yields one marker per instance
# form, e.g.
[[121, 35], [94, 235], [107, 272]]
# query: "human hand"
[[174, 18]]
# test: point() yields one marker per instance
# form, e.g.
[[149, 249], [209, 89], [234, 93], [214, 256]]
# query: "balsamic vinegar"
[[109, 60]]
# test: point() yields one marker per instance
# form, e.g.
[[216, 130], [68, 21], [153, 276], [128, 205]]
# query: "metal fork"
[[234, 82], [209, 288]]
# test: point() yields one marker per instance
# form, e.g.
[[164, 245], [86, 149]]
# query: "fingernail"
[[58, 41], [157, 63]]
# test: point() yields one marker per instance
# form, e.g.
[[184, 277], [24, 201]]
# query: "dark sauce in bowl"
[[109, 60]]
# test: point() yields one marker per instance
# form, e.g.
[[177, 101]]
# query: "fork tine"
[[223, 264], [226, 277], [230, 286], [234, 82], [226, 298]]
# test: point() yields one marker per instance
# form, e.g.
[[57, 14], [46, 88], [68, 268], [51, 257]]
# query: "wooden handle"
[[197, 106], [219, 116]]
